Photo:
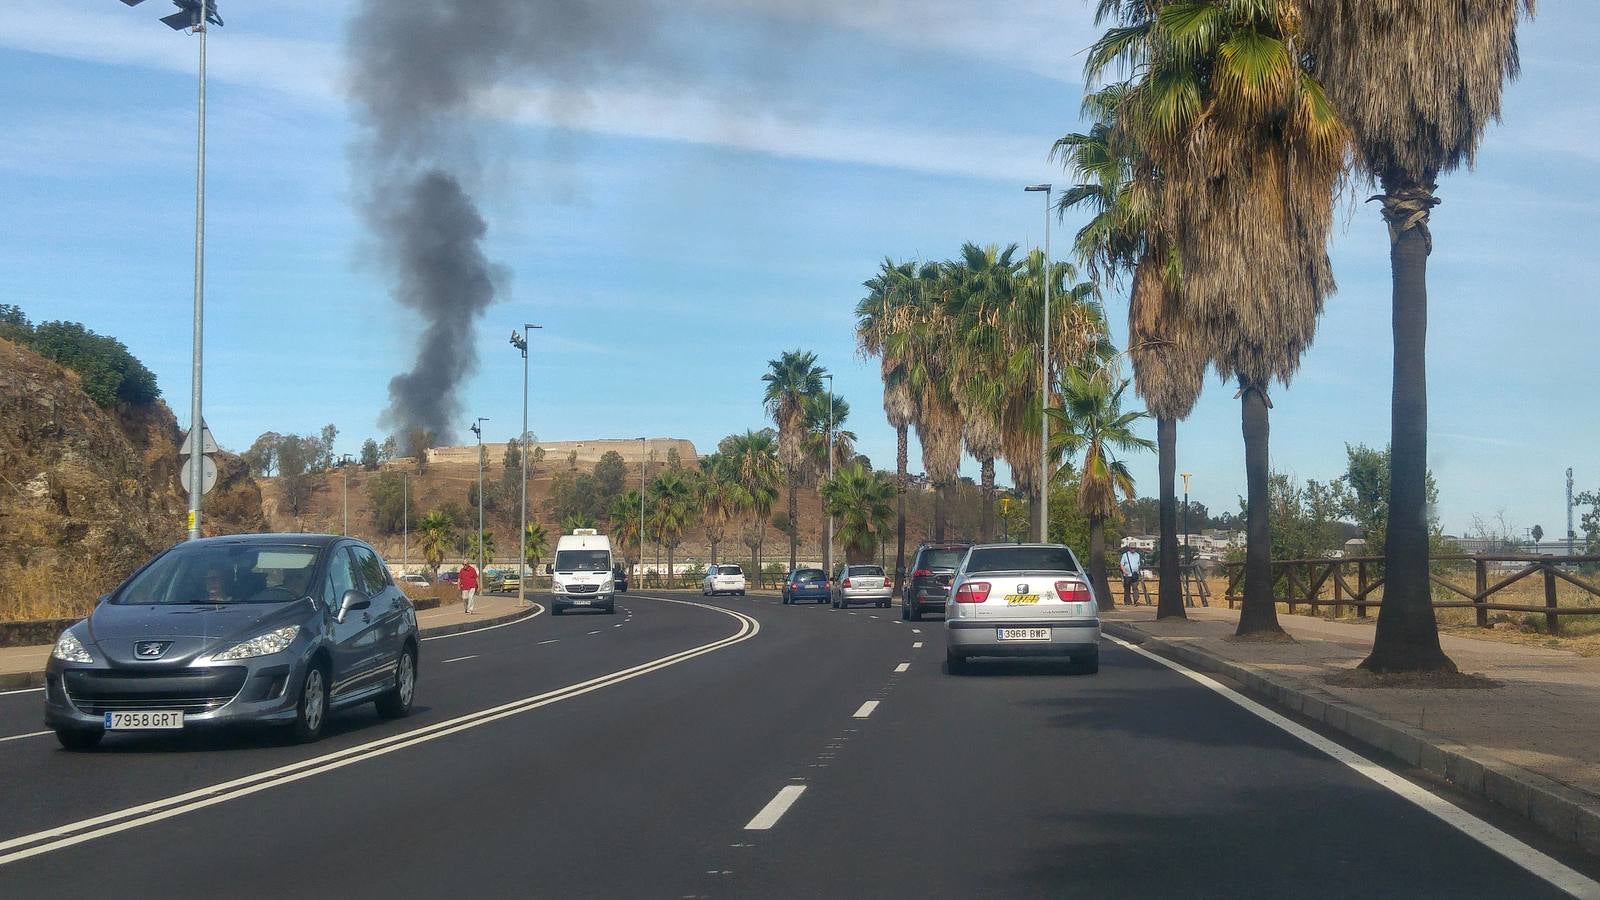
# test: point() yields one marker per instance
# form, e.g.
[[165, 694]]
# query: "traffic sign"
[[208, 444], [209, 475]]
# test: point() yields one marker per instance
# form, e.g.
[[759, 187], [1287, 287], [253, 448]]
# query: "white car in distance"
[[723, 580]]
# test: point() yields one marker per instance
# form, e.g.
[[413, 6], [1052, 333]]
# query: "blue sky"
[[674, 234]]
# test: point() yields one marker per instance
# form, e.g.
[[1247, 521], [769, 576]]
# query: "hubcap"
[[408, 678], [314, 699]]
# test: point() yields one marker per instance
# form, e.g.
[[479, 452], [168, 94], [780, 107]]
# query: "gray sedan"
[[261, 629], [861, 584]]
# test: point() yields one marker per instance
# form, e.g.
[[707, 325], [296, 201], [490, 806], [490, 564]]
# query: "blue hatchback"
[[806, 584]]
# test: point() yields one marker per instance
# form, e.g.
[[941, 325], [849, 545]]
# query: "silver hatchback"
[[1022, 600], [861, 584]]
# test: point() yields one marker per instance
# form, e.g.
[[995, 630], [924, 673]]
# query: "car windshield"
[[865, 570], [1021, 559], [583, 560], [809, 575], [213, 574], [730, 570], [941, 558]]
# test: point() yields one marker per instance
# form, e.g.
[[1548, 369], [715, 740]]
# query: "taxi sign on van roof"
[[584, 531]]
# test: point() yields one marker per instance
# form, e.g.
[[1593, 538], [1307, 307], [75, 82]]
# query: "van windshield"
[[583, 561]]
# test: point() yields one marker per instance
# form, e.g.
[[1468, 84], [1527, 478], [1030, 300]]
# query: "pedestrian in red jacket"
[[468, 585]]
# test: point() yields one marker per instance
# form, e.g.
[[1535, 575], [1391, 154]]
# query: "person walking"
[[1131, 561], [469, 585]]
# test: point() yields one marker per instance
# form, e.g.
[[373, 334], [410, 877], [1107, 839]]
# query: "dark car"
[[619, 577], [806, 584], [277, 629], [929, 587]]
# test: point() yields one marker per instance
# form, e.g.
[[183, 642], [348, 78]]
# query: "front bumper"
[[971, 637], [595, 600], [264, 690]]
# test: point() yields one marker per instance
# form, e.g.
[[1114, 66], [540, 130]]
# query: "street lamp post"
[[520, 341], [1186, 477], [1044, 383], [477, 429], [344, 469], [642, 474], [194, 16], [405, 523]]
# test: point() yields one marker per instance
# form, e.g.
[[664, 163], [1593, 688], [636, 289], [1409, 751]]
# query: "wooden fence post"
[[1338, 589], [1361, 588], [1482, 565], [1550, 618]]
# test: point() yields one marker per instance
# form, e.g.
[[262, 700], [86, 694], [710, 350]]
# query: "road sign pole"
[[196, 465]]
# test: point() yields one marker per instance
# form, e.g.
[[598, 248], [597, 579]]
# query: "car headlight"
[[555, 585], [274, 641], [608, 586], [69, 648]]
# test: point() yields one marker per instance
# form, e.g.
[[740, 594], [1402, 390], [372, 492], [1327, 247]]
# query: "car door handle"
[[366, 617]]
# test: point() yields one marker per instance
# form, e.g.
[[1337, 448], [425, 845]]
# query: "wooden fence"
[[1319, 583]]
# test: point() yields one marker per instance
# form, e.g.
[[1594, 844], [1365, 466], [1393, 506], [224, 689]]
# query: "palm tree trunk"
[[1407, 638], [900, 515], [794, 524], [986, 516], [940, 512], [671, 573], [1257, 615], [1097, 563], [1034, 512], [1169, 598]]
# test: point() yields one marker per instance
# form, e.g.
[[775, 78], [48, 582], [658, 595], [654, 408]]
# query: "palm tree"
[[825, 414], [535, 546], [488, 545], [791, 378], [1417, 83], [1091, 421], [753, 461], [873, 319], [987, 284], [436, 537], [1123, 238], [671, 510], [859, 498], [623, 523], [577, 520], [1249, 152], [922, 338], [715, 496]]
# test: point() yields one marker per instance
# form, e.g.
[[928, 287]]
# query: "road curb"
[[1551, 806], [13, 681]]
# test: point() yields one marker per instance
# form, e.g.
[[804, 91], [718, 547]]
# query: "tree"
[[436, 537], [369, 455], [262, 457], [1417, 83], [1249, 152], [1537, 533], [535, 545], [1091, 421], [610, 475], [325, 459], [715, 492], [512, 460], [386, 497], [293, 456], [623, 525], [575, 520], [1365, 492], [488, 544], [572, 459], [753, 465], [671, 510], [674, 458], [791, 378], [986, 278], [859, 499], [876, 314], [107, 372], [418, 442], [388, 450]]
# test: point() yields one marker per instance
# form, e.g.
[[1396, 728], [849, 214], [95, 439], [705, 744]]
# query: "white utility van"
[[580, 577]]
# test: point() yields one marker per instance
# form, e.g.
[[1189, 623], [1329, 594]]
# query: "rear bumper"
[[981, 638], [882, 595], [928, 599], [809, 596]]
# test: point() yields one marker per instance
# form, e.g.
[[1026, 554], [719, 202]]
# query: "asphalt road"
[[628, 755]]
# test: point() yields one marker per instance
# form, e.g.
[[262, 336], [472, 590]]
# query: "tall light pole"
[[1186, 477], [520, 341], [405, 523], [477, 429], [344, 468], [641, 507], [191, 15], [1044, 383], [828, 449]]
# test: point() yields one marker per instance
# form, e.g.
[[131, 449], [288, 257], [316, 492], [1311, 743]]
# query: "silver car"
[[260, 629], [861, 584], [1021, 600]]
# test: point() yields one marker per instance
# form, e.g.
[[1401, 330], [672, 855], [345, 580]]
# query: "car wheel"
[[555, 610], [612, 609], [741, 593], [396, 704], [955, 665], [905, 611], [311, 713], [913, 612], [1087, 664], [821, 601], [80, 738]]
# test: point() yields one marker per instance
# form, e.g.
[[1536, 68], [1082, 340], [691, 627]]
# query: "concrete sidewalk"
[[23, 667], [1531, 745]]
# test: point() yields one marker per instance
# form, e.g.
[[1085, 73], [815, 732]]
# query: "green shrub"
[[108, 373]]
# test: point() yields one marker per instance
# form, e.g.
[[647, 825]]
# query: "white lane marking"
[[18, 737], [916, 631], [869, 615], [776, 807], [1535, 862], [71, 834], [904, 666], [918, 644], [23, 691], [473, 656], [538, 610], [597, 631], [552, 641], [865, 710]]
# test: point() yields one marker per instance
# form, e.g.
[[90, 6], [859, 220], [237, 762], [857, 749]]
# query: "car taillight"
[[922, 573], [795, 585], [1073, 592], [972, 592], [844, 583]]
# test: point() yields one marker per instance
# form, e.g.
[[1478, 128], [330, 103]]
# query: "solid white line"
[[1535, 862], [538, 610], [917, 645], [865, 710], [552, 641], [902, 667], [776, 807], [459, 658], [597, 631], [131, 817], [23, 691], [18, 737]]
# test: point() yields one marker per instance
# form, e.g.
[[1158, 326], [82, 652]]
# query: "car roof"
[[944, 545], [311, 540], [1001, 546]]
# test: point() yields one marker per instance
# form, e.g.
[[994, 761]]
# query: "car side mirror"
[[352, 601], [549, 568]]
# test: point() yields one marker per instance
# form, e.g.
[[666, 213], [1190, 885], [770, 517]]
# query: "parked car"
[[277, 629], [506, 582], [807, 584], [452, 577], [931, 571], [723, 580], [413, 579], [581, 575], [619, 578], [1022, 600], [861, 584]]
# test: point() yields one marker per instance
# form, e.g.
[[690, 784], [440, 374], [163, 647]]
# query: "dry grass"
[[48, 592]]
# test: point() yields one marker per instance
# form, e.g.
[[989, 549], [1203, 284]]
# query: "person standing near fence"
[[469, 586], [1131, 561]]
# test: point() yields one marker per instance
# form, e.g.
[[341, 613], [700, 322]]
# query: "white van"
[[580, 577]]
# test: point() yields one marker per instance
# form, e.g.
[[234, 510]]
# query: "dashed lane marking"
[[776, 807], [902, 667], [865, 710]]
